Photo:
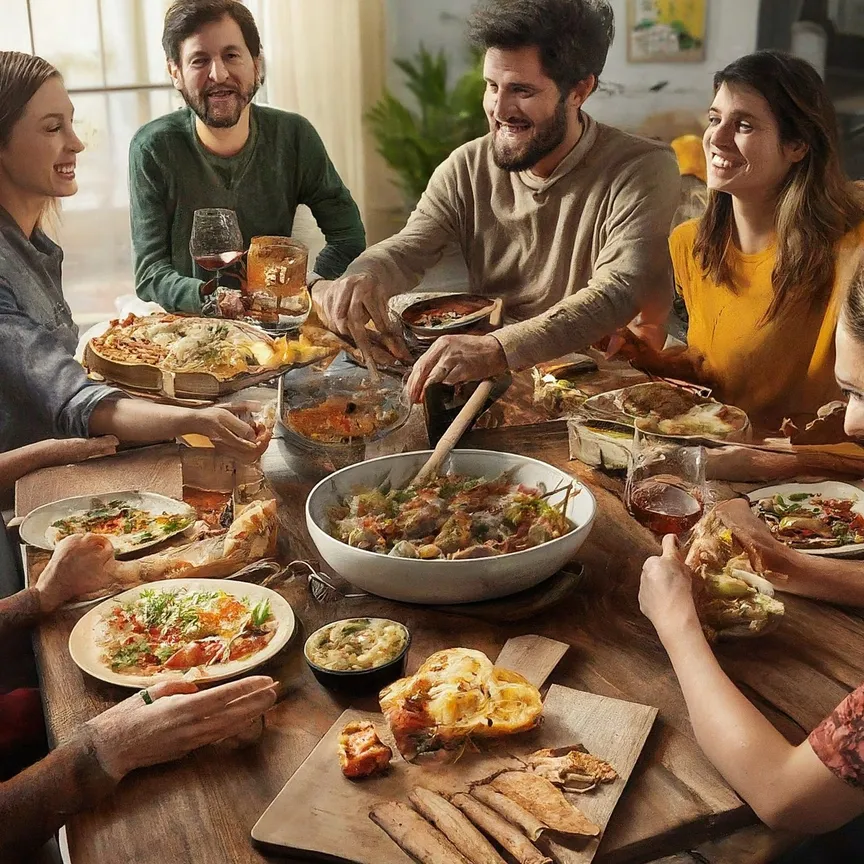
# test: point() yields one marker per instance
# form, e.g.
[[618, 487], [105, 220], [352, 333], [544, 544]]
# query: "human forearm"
[[135, 421], [20, 611], [831, 579], [17, 463], [571, 325], [37, 802], [745, 464], [739, 741]]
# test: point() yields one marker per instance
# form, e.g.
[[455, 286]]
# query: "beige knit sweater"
[[575, 255]]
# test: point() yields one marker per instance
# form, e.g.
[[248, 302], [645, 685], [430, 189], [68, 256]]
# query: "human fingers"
[[671, 549], [170, 688], [216, 698], [417, 380]]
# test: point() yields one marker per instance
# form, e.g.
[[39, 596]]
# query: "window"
[[115, 72]]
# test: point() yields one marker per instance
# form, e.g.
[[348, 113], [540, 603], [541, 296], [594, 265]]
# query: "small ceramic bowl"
[[362, 681], [451, 313]]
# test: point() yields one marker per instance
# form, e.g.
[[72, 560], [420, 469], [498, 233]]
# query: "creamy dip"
[[356, 644]]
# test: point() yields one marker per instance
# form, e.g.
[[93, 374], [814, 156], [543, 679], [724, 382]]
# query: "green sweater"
[[283, 164]]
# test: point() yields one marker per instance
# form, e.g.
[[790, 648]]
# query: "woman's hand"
[[225, 429], [666, 590], [180, 719], [781, 564], [81, 564]]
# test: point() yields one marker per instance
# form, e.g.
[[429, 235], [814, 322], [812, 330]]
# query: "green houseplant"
[[415, 141]]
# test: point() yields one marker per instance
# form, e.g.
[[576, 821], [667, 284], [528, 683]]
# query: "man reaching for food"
[[565, 218]]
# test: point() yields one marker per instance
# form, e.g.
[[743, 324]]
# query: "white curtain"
[[327, 60]]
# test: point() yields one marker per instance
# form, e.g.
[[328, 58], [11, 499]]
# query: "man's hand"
[[180, 719], [666, 589], [81, 564], [454, 359], [347, 304]]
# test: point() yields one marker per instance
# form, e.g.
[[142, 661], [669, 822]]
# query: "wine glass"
[[666, 489], [216, 241]]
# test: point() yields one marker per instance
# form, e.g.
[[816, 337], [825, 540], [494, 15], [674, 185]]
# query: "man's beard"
[[547, 137], [199, 104]]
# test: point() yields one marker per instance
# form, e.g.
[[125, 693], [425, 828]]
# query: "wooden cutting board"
[[321, 814]]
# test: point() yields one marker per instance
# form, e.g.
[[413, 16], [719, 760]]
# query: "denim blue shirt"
[[44, 391]]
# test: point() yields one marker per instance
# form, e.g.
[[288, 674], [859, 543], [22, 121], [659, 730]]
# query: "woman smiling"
[[44, 392], [763, 271]]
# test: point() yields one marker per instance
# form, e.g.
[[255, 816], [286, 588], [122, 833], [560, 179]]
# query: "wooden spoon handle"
[[463, 419], [454, 432]]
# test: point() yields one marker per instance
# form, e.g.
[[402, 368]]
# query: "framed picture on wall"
[[666, 31]]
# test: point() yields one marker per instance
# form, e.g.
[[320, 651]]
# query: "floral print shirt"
[[839, 739]]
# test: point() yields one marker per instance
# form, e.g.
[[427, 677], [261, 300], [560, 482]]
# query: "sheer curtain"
[[327, 60]]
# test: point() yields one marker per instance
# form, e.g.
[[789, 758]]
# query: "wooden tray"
[[183, 384], [321, 815]]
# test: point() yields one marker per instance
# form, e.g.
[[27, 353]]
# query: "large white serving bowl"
[[416, 581]]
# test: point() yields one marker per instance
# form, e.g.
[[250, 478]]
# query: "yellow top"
[[691, 156], [784, 368]]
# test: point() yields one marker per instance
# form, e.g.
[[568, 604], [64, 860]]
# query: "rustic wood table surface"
[[202, 808]]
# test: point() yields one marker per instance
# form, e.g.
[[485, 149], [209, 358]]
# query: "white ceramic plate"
[[606, 406], [830, 489], [35, 525], [442, 581], [84, 638]]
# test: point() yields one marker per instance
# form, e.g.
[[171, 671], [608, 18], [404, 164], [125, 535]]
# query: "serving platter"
[[190, 384], [829, 489], [85, 651], [33, 530], [321, 814], [607, 406]]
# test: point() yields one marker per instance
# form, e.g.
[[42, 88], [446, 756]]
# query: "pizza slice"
[[251, 537], [733, 597]]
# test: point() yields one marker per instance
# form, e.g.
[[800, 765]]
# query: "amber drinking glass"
[[276, 280]]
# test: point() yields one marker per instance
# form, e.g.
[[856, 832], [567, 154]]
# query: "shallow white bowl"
[[415, 581]]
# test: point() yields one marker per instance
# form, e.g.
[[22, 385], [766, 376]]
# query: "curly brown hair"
[[572, 36]]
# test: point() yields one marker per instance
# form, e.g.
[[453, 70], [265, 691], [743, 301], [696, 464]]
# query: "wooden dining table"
[[200, 810]]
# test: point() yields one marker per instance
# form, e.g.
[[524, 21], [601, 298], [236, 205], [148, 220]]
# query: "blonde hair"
[[817, 204]]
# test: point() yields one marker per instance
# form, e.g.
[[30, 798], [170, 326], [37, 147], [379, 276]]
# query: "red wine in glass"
[[665, 506], [218, 262], [216, 240]]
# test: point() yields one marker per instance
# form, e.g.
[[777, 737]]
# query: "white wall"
[[731, 28]]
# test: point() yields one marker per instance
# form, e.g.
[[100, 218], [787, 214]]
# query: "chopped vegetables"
[[127, 527], [180, 629], [449, 517], [808, 520]]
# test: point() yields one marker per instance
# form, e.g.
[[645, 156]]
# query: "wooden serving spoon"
[[463, 420]]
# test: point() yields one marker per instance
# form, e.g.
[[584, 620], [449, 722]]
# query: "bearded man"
[[224, 151], [565, 218]]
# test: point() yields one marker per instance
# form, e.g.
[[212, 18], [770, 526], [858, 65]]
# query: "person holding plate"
[[818, 785], [223, 151], [565, 218]]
